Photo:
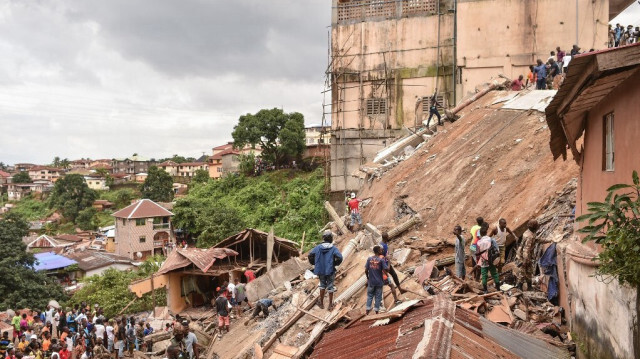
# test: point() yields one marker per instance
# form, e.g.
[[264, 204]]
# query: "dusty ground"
[[479, 169]]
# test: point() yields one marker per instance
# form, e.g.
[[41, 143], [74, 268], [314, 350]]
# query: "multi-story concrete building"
[[188, 169], [143, 229], [38, 173], [225, 159], [388, 57], [170, 167], [131, 165]]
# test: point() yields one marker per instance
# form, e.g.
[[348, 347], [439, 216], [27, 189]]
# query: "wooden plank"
[[313, 315], [257, 351], [286, 350], [379, 316], [270, 242]]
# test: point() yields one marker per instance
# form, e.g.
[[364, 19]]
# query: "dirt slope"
[[492, 162]]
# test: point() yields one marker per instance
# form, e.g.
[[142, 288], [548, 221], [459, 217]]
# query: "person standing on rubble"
[[385, 251], [354, 210], [222, 308], [433, 110], [484, 259], [524, 256], [178, 343], [375, 268], [475, 236], [500, 232], [248, 273], [325, 257], [461, 271], [191, 342]]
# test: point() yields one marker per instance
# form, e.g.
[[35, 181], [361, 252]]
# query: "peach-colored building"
[[595, 114], [388, 57], [170, 167], [225, 158], [143, 227], [45, 173], [188, 169]]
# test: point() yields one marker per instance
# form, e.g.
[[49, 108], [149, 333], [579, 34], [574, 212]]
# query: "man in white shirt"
[[110, 335], [232, 289], [99, 329]]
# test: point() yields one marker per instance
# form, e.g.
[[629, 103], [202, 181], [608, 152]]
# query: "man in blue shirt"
[[262, 305], [376, 270], [541, 71], [325, 257]]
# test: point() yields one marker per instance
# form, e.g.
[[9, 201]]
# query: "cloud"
[[109, 78]]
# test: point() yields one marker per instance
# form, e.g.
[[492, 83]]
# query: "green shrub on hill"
[[291, 201]]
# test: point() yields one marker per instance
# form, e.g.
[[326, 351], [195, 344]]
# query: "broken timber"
[[336, 219], [396, 231]]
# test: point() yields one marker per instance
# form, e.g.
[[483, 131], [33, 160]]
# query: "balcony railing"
[[362, 10], [161, 226], [158, 243]]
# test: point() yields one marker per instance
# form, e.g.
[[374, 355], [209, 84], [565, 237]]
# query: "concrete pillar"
[[334, 215], [396, 231], [350, 248], [353, 289]]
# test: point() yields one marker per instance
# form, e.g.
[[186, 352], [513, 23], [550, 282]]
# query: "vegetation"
[[178, 159], [158, 186], [120, 197], [31, 209], [21, 177], [60, 163], [289, 200], [615, 225], [201, 176], [21, 286], [111, 290], [71, 195], [280, 135], [86, 219]]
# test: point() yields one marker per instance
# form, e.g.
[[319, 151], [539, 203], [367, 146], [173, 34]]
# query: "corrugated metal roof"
[[203, 259], [50, 260], [89, 259], [470, 336], [531, 100]]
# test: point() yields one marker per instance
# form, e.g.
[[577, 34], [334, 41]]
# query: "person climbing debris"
[[222, 308], [524, 256], [354, 210], [262, 306], [488, 256], [433, 110], [325, 257], [374, 269], [385, 252]]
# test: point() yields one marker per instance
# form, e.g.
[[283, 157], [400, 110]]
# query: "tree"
[[111, 289], [56, 162], [21, 177], [247, 164], [615, 225], [65, 163], [86, 219], [21, 286], [209, 221], [71, 195], [158, 186], [280, 135], [201, 176]]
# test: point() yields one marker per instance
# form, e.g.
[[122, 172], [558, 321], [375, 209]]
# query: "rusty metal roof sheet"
[[203, 259], [454, 333]]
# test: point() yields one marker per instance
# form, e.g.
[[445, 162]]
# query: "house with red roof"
[[225, 158], [143, 229]]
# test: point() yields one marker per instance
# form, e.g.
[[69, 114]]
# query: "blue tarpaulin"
[[548, 263], [50, 260]]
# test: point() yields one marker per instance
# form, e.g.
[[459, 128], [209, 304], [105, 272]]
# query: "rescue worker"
[[525, 257]]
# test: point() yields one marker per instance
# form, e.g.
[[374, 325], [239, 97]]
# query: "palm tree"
[[56, 161]]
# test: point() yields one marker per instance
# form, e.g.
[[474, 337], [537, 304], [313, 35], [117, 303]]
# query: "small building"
[[190, 276], [141, 177], [92, 262], [170, 167], [215, 161], [22, 167], [131, 165], [17, 191], [5, 179], [57, 244], [45, 173], [225, 159], [81, 164], [143, 229], [102, 204], [97, 183], [595, 116], [317, 134], [51, 262], [188, 169]]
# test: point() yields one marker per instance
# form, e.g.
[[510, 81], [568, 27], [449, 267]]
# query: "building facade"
[[188, 169], [594, 115], [388, 58], [43, 173], [131, 165], [142, 230]]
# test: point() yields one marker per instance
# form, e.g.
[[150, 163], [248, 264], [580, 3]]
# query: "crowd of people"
[[620, 35]]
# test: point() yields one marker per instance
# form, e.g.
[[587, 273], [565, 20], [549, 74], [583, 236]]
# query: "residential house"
[[92, 262], [131, 165], [225, 159], [39, 173], [595, 116], [102, 166], [316, 134], [55, 244], [5, 179], [120, 178], [143, 229], [81, 164], [215, 161], [22, 167], [188, 169], [102, 204], [389, 57], [95, 182], [170, 167], [189, 276], [100, 162], [17, 191], [141, 177], [56, 265]]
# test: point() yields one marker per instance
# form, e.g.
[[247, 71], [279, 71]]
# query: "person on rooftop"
[[325, 257], [541, 73]]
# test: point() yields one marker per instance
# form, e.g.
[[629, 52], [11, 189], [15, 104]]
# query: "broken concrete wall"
[[275, 278]]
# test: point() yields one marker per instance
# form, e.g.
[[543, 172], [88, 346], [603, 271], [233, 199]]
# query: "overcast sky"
[[107, 78]]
